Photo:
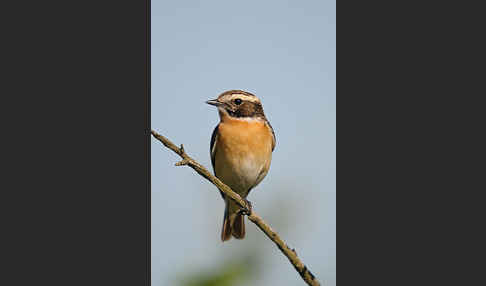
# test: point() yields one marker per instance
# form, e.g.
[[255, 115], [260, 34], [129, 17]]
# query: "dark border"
[[75, 181], [407, 128], [148, 98]]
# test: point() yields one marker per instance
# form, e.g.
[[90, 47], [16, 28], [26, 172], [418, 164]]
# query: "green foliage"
[[232, 272]]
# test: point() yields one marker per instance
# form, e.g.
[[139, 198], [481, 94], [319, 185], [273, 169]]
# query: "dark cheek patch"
[[249, 109], [246, 109]]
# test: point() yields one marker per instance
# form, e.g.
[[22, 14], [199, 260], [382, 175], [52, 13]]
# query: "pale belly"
[[243, 158]]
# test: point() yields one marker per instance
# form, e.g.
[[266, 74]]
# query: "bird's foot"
[[247, 210]]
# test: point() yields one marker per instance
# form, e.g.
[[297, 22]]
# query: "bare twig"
[[253, 217]]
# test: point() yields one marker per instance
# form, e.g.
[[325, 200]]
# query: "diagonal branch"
[[253, 217]]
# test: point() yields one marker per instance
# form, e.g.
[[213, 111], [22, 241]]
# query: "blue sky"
[[285, 53]]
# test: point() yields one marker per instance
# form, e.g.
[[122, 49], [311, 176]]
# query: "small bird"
[[241, 152]]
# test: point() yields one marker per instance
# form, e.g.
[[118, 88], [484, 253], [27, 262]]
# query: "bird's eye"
[[237, 101]]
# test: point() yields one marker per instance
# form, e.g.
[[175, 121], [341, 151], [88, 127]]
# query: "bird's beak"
[[214, 102]]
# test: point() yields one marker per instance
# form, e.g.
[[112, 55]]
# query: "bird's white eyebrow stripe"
[[244, 97]]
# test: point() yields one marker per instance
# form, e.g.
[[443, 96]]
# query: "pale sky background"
[[285, 53]]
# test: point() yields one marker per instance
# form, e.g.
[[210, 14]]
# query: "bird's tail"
[[233, 223]]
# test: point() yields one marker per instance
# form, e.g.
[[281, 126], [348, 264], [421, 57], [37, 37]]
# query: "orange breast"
[[245, 136], [243, 154]]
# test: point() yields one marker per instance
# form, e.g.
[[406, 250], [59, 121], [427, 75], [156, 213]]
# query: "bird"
[[241, 150]]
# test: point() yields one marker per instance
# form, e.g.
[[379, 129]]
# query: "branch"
[[253, 217]]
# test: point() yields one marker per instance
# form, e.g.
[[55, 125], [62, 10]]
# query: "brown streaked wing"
[[274, 141], [212, 151], [211, 146]]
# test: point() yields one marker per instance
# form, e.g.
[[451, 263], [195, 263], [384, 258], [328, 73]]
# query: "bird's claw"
[[247, 210]]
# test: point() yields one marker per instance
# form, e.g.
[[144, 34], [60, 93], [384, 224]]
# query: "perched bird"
[[241, 151]]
